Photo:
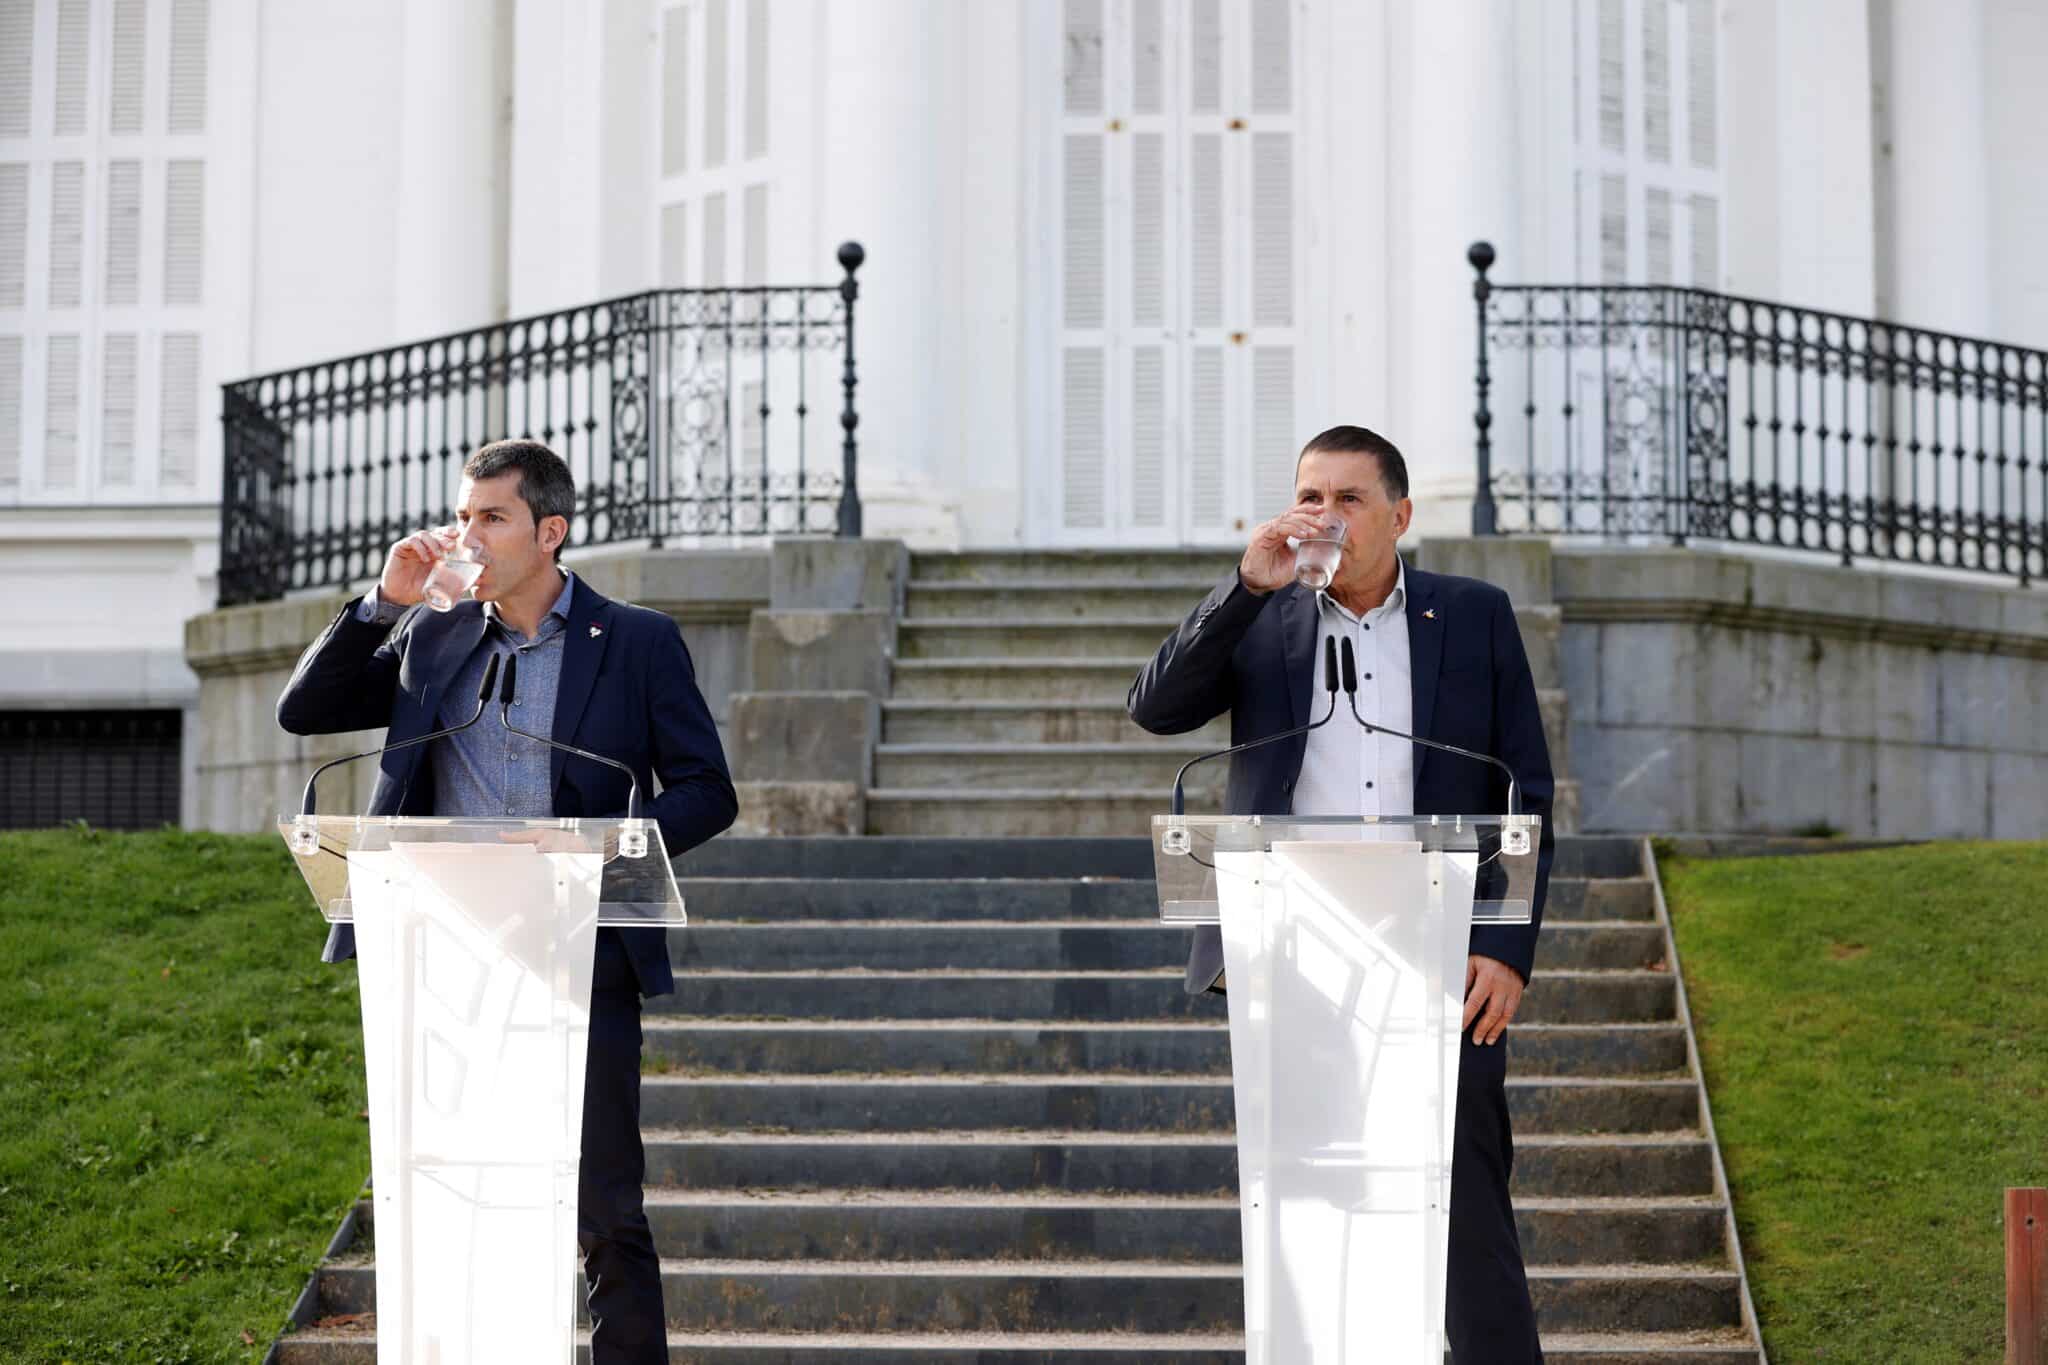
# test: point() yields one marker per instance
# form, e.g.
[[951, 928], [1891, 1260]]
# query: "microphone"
[[1351, 691], [632, 836], [483, 697], [1329, 685]]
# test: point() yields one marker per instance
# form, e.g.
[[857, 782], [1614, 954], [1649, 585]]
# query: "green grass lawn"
[[1874, 1028], [180, 1096]]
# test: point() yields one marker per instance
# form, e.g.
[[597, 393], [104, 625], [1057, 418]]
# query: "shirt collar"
[[1397, 600], [559, 609]]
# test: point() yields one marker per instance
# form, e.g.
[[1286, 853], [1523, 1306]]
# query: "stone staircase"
[[943, 1101], [1006, 715]]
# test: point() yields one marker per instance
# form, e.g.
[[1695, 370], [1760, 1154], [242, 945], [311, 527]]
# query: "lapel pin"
[[596, 630], [1428, 615]]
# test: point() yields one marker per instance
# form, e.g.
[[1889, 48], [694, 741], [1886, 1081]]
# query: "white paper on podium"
[[475, 964], [1344, 957]]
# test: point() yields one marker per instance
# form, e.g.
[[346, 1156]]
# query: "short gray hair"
[[545, 484]]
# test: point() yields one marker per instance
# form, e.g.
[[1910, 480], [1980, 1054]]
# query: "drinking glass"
[[1316, 557], [451, 578]]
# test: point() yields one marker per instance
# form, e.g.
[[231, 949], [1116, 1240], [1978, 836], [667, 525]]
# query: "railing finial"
[[851, 255], [1480, 256]]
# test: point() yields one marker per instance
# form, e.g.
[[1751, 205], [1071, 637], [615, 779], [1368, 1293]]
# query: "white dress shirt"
[[1345, 770]]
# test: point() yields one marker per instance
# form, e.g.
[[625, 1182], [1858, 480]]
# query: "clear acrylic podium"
[[475, 942], [1344, 946]]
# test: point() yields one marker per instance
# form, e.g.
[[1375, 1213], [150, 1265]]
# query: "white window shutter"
[[1148, 436], [676, 89], [1083, 275], [1205, 41], [1702, 67], [74, 63], [67, 234], [716, 65], [60, 413], [1706, 242], [1205, 229], [1273, 435], [1657, 80], [13, 234], [178, 410], [757, 78], [753, 443], [1613, 229], [1148, 57], [124, 233], [118, 376], [17, 74], [1657, 235], [1273, 229], [754, 251], [675, 245], [1083, 62], [187, 108], [713, 276], [1083, 402], [10, 412], [1148, 230], [1272, 57], [184, 230], [1207, 410], [125, 66], [1613, 76]]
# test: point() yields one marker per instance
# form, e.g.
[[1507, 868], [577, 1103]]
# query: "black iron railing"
[[681, 412], [1676, 414]]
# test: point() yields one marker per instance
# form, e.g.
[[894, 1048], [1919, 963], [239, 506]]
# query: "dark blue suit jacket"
[[627, 691], [1256, 657]]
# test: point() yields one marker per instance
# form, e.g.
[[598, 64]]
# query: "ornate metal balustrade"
[[683, 413], [1675, 414]]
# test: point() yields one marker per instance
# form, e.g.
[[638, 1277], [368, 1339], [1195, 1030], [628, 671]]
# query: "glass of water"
[[451, 578], [1316, 557]]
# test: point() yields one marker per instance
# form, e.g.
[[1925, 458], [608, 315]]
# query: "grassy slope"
[[1875, 1033], [180, 1085]]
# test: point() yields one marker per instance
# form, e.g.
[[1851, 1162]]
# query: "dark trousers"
[[628, 1324], [1487, 1314]]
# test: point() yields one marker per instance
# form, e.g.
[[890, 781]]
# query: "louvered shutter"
[[184, 231], [13, 235], [676, 91], [178, 409], [10, 411], [1084, 454], [757, 79], [1657, 235], [124, 233], [187, 104], [754, 250], [17, 75], [60, 412], [125, 67], [119, 371], [675, 245], [717, 58], [713, 274], [1657, 81], [67, 234], [74, 73]]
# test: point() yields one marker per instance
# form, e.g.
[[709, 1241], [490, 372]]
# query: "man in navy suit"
[[602, 675], [1439, 657]]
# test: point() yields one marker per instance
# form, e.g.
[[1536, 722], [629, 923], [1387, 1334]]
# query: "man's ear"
[[553, 531], [1404, 513]]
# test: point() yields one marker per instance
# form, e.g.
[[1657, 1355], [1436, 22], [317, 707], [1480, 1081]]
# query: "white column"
[[2015, 111], [447, 268], [1937, 211], [1452, 179], [884, 167]]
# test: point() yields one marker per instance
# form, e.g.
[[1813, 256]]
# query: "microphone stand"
[[1329, 685], [633, 833]]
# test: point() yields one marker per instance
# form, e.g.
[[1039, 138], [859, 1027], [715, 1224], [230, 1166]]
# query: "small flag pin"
[[1429, 615], [595, 631]]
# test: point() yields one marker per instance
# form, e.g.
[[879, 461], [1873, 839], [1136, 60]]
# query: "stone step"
[[935, 900], [952, 600], [1588, 945], [1029, 722], [1056, 857], [1552, 1166], [1032, 811], [1554, 997], [1069, 568], [1149, 764], [1109, 637], [1113, 1296], [871, 1225], [1060, 1049], [1538, 1104], [1064, 679]]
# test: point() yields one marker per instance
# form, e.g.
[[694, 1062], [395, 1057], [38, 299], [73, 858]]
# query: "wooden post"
[[2026, 1276]]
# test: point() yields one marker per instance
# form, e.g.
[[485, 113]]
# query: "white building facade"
[[1123, 256]]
